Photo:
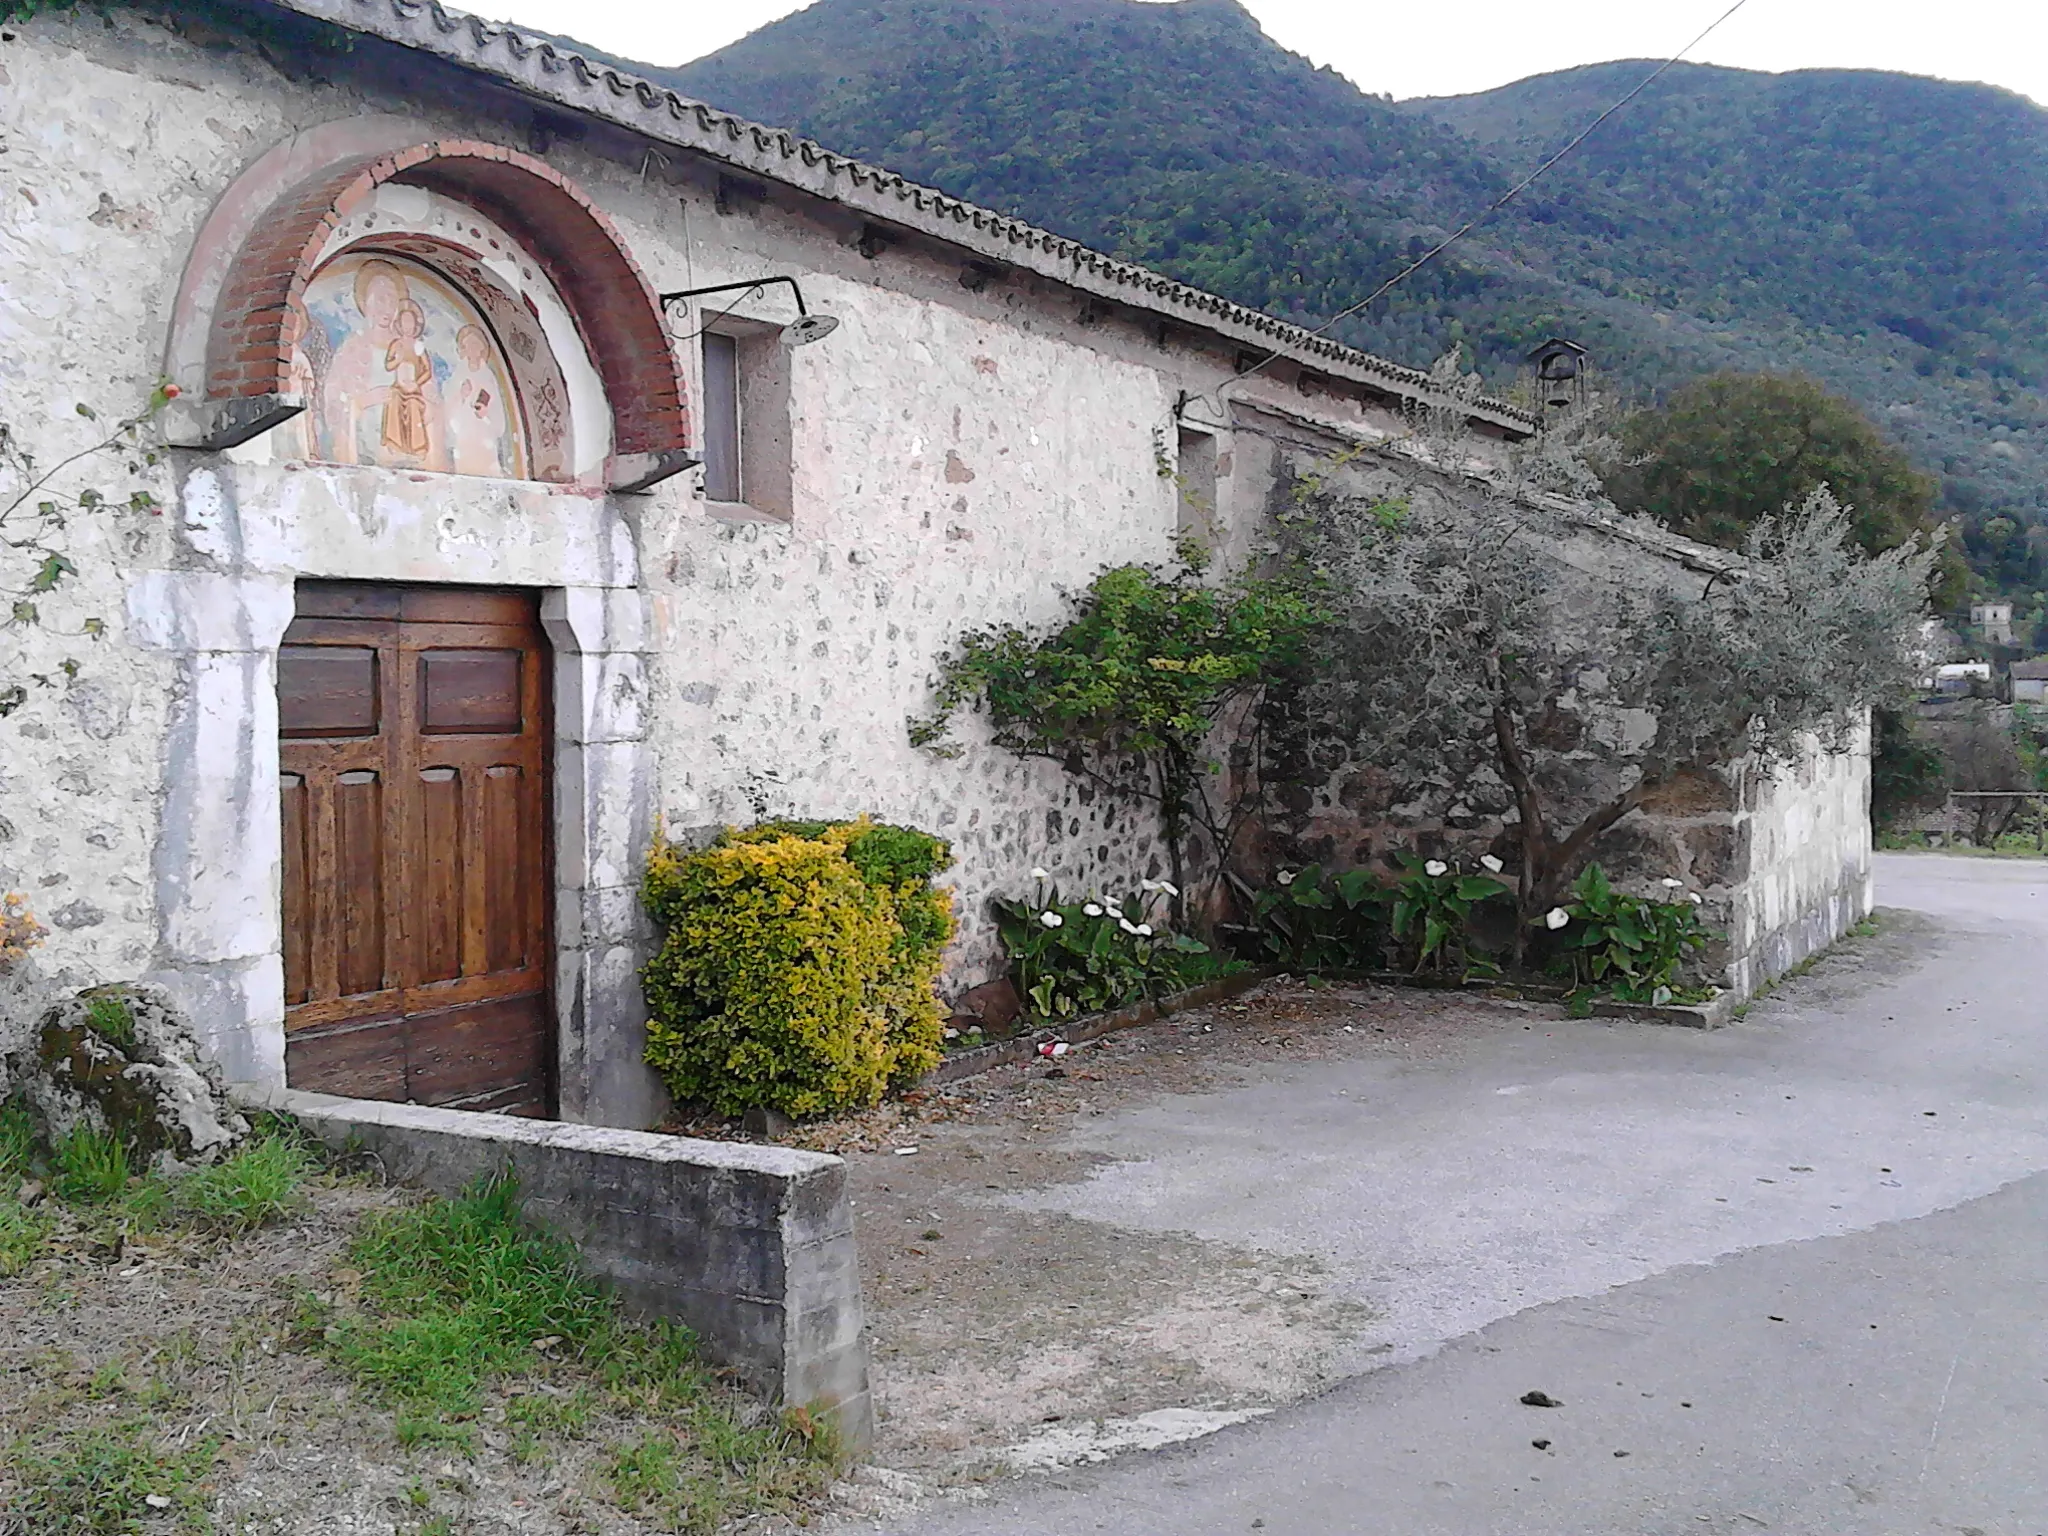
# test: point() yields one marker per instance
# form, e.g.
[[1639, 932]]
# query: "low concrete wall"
[[751, 1247]]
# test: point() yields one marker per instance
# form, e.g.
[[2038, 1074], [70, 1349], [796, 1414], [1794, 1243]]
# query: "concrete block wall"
[[751, 1247]]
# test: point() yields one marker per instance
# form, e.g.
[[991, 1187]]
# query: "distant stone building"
[[479, 559], [1993, 620], [2029, 681]]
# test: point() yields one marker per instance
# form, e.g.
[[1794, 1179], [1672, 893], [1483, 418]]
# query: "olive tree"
[[1464, 647]]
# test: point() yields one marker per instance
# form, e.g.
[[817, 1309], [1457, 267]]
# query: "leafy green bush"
[[1129, 690], [1433, 906], [799, 966], [1311, 920], [1632, 947], [1089, 954]]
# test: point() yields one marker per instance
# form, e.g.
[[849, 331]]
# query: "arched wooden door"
[[414, 745]]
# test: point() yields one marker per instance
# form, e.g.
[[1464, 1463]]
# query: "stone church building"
[[554, 462]]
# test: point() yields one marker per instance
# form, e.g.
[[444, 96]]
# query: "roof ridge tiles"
[[912, 198]]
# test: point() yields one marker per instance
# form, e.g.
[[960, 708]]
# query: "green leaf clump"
[[799, 965]]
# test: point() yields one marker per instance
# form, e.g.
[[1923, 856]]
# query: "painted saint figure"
[[412, 372], [475, 414]]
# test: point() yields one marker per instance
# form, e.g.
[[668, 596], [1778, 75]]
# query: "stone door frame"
[[217, 869]]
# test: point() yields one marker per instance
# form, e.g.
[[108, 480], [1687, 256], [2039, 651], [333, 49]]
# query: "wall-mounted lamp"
[[802, 331]]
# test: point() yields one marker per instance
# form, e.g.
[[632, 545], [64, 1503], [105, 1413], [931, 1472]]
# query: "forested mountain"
[[1886, 233]]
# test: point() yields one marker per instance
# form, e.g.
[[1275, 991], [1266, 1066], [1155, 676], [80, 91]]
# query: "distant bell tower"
[[1561, 367]]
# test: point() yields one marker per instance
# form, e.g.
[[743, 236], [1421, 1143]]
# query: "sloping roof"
[[2031, 671], [550, 73]]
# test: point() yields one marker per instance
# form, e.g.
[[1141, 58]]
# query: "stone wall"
[[1806, 876]]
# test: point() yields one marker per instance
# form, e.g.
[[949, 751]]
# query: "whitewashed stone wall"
[[1807, 879], [958, 460]]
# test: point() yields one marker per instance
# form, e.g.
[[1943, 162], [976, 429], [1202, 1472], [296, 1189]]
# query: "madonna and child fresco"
[[400, 370]]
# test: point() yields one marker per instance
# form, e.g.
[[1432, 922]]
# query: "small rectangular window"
[[1196, 477], [722, 418], [748, 436]]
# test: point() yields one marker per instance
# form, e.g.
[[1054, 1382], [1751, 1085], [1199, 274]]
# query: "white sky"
[[1409, 49]]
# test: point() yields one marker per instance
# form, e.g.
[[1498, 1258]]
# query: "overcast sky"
[[1407, 49]]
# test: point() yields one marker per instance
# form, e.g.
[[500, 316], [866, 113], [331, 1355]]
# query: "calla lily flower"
[[1051, 919], [1556, 918]]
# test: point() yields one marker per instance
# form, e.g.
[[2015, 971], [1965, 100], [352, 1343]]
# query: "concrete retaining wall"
[[751, 1247]]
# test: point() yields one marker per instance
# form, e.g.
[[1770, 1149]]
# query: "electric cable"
[[1499, 203]]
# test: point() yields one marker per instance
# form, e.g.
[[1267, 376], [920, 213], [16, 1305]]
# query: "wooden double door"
[[414, 746]]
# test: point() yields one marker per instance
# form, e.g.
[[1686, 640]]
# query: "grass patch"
[[89, 1167], [93, 1190], [108, 1480], [468, 1311], [260, 1182]]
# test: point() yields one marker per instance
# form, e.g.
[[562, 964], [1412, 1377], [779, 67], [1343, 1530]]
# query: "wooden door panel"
[[360, 1058], [327, 690], [469, 692], [443, 862], [484, 1055], [415, 753], [501, 850], [297, 889], [357, 870]]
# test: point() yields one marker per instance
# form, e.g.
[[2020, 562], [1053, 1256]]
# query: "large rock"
[[123, 1059]]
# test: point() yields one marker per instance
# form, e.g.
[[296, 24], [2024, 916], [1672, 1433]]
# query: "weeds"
[[89, 1167], [107, 1481], [461, 1297], [258, 1183]]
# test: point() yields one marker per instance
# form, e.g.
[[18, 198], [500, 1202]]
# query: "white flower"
[[1698, 899], [1039, 874], [1127, 925], [1670, 884], [1285, 877], [1556, 918], [1143, 930], [1490, 864], [1436, 867], [1168, 888], [1093, 909], [1148, 886], [1051, 919]]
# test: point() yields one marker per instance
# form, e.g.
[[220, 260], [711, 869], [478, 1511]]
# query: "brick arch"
[[613, 305]]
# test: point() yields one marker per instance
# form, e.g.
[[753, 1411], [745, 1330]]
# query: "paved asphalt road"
[[1790, 1276]]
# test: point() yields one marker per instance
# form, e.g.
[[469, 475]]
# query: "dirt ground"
[[1008, 1339], [200, 1339]]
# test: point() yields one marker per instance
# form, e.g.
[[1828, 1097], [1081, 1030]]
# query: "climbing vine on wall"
[[1130, 689], [39, 504]]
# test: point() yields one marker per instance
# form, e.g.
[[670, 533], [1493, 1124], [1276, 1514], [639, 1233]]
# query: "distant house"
[[1957, 676], [2030, 681], [1994, 620]]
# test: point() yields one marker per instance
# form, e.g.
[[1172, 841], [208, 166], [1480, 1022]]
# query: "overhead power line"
[[1504, 199]]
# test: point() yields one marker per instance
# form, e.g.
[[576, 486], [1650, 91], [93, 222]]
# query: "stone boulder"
[[123, 1059]]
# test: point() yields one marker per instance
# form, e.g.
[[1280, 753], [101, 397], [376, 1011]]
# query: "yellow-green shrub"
[[798, 966]]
